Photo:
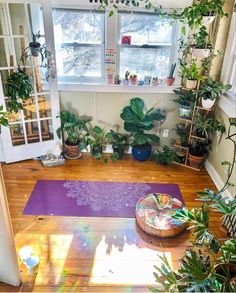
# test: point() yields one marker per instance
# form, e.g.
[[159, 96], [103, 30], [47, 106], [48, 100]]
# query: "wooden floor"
[[95, 254]]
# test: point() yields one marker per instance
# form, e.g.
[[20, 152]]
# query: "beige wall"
[[105, 108], [223, 151]]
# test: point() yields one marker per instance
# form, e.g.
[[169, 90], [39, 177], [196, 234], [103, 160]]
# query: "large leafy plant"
[[18, 89], [206, 126], [139, 122], [164, 155], [73, 129], [210, 263], [211, 89]]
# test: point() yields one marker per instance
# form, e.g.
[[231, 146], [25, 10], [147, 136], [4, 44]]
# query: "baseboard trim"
[[219, 183]]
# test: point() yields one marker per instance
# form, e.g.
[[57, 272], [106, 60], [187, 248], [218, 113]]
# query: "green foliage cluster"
[[119, 143], [139, 122], [97, 141], [18, 89], [3, 117], [164, 155], [185, 97]]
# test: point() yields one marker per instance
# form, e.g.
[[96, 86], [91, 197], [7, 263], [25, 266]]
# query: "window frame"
[[172, 46], [85, 79]]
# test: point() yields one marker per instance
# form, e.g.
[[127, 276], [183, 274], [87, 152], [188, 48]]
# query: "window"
[[152, 44], [79, 42]]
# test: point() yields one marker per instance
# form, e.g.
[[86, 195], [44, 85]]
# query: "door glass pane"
[[14, 117], [32, 131], [46, 129], [30, 109], [17, 134], [36, 17], [3, 22], [4, 76], [20, 44], [44, 106], [18, 18], [4, 52]]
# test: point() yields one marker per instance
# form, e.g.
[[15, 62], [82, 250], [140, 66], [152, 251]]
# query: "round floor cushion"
[[154, 215]]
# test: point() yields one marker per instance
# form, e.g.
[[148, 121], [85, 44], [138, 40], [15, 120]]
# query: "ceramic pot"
[[195, 161], [200, 53], [181, 156], [72, 151], [208, 103], [34, 47], [169, 81], [126, 82], [142, 152], [191, 84], [185, 112], [110, 79], [133, 80], [208, 19], [119, 151]]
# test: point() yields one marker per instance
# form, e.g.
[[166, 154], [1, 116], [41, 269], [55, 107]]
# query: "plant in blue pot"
[[139, 122]]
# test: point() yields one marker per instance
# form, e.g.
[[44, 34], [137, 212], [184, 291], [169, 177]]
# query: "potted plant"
[[209, 90], [164, 155], [139, 123], [197, 153], [126, 80], [119, 143], [201, 48], [205, 127], [73, 132], [191, 75], [170, 79], [36, 49], [133, 79], [18, 89], [97, 141], [183, 133], [180, 156], [117, 79], [185, 100]]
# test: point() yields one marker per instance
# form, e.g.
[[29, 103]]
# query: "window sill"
[[112, 88], [228, 105]]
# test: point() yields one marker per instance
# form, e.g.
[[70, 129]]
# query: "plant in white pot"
[[201, 47], [209, 90], [191, 74]]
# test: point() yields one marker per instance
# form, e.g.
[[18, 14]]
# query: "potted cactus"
[[126, 80]]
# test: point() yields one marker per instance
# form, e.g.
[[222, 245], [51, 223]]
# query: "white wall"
[[9, 270]]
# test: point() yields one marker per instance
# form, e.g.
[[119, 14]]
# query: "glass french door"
[[31, 131]]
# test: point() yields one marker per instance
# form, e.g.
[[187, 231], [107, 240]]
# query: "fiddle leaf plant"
[[139, 122]]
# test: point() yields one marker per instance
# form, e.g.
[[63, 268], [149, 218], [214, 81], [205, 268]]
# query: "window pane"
[[78, 26], [17, 134], [79, 61], [146, 29], [154, 62]]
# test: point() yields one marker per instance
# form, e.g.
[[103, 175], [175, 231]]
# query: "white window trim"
[[227, 102]]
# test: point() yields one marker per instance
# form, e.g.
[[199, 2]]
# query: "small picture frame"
[[126, 40]]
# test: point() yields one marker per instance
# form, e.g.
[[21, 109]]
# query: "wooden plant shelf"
[[201, 108], [197, 137], [187, 166], [180, 146], [186, 120]]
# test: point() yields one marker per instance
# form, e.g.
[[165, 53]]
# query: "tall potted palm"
[[139, 123], [73, 132]]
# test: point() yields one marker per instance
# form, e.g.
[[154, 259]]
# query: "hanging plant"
[[18, 89], [35, 50]]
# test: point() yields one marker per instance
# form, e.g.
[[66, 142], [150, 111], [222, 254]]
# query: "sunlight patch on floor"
[[132, 265]]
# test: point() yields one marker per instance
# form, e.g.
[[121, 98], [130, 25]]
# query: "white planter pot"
[[208, 103], [200, 53], [191, 84], [207, 19]]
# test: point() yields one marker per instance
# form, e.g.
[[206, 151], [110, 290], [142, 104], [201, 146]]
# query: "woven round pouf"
[[154, 215]]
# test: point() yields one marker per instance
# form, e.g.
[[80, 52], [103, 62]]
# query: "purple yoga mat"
[[91, 198]]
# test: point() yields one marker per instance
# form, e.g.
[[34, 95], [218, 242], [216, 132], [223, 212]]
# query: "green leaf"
[[137, 106], [111, 13]]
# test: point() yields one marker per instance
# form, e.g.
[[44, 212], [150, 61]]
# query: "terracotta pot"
[[195, 161], [72, 151], [191, 84], [133, 80], [169, 81], [208, 103]]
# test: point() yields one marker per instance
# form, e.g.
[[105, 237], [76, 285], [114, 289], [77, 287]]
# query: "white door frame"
[[9, 268]]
